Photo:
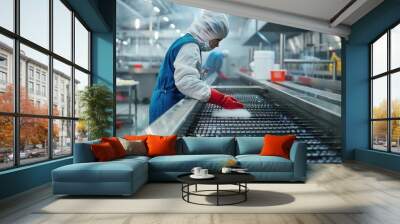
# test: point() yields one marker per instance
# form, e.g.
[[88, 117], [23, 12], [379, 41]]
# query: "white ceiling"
[[315, 15], [321, 9]]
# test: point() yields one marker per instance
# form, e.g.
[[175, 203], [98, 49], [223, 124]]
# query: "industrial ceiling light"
[[166, 19], [137, 24], [178, 30], [172, 26], [156, 9], [156, 35]]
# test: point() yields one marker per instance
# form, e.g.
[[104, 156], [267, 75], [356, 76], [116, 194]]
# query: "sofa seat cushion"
[[207, 145], [185, 163], [133, 157], [257, 163], [249, 145], [112, 171]]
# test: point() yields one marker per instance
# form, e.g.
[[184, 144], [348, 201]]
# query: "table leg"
[[136, 109], [182, 188], [188, 190], [217, 194], [245, 193], [130, 103]]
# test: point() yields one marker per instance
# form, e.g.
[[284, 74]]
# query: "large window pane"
[[379, 97], [62, 138], [35, 21], [395, 47], [379, 55], [33, 139], [81, 81], [34, 96], [6, 74], [7, 14], [379, 135], [81, 45], [6, 142], [62, 29], [62, 89], [395, 135], [395, 94]]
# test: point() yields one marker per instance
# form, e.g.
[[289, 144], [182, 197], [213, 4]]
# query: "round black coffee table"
[[238, 179]]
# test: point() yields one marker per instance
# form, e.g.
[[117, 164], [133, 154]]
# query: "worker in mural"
[[214, 63], [179, 74]]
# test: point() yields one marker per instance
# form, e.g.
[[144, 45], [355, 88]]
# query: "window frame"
[[16, 114], [388, 74]]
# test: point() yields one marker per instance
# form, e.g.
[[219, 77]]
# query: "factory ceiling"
[[326, 16]]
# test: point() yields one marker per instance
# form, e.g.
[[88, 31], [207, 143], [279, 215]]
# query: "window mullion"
[[50, 81], [73, 81], [389, 104], [16, 84]]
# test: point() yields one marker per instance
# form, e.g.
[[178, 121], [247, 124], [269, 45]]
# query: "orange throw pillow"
[[161, 145], [277, 145], [116, 145], [136, 137], [103, 152]]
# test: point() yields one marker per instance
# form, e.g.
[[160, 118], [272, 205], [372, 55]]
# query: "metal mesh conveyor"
[[270, 115]]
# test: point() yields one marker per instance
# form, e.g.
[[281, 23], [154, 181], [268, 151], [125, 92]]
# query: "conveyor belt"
[[271, 116]]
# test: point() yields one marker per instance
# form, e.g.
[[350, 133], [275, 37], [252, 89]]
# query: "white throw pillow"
[[134, 147]]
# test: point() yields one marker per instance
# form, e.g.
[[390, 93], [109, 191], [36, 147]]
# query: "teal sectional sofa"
[[125, 176]]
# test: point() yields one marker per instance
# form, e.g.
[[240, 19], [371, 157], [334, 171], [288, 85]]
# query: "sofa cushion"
[[207, 145], [185, 163], [112, 171], [249, 145], [134, 147], [83, 152], [277, 145], [133, 157], [257, 163], [136, 137], [116, 145], [103, 152], [161, 145]]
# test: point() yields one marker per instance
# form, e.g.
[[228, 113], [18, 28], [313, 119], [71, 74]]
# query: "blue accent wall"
[[103, 52], [100, 16], [103, 58], [356, 85], [103, 71]]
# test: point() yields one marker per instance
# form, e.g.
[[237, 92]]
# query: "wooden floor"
[[378, 189]]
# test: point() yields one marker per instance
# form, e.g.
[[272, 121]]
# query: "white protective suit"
[[188, 63]]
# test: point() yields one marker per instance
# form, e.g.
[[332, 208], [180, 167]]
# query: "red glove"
[[222, 76], [225, 101]]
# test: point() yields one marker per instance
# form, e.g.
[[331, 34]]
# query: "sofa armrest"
[[83, 152], [298, 155]]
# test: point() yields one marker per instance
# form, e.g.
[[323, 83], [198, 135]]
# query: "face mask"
[[205, 46]]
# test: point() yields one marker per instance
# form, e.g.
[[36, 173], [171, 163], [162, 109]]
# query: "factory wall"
[[356, 85], [238, 54]]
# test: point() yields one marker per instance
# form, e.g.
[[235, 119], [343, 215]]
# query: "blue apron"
[[214, 62], [165, 94]]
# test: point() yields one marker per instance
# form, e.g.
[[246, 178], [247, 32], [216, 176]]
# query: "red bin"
[[278, 75]]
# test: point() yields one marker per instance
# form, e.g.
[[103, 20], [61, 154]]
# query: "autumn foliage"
[[380, 127], [33, 131]]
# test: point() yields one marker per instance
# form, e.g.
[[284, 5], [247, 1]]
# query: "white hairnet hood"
[[210, 26]]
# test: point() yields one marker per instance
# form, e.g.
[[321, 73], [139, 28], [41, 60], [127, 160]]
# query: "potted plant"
[[96, 102]]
